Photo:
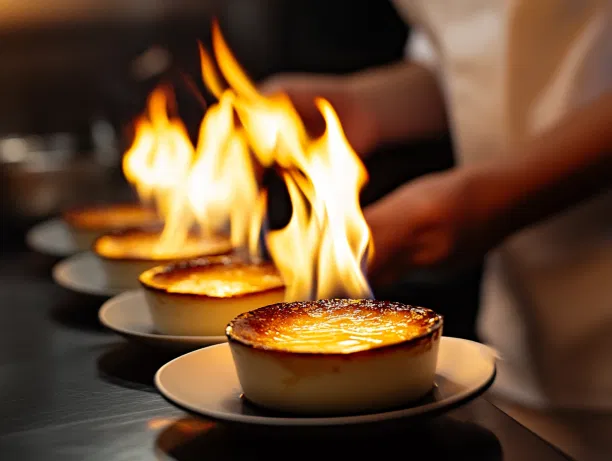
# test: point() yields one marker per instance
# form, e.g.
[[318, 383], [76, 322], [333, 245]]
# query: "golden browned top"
[[220, 277], [333, 326], [110, 217], [142, 244]]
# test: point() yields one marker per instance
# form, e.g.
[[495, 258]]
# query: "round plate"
[[128, 315], [82, 272], [205, 382], [53, 238]]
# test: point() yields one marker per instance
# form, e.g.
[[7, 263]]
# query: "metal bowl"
[[41, 176]]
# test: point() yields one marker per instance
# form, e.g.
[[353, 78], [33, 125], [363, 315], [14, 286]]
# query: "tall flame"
[[211, 187], [158, 163], [322, 252]]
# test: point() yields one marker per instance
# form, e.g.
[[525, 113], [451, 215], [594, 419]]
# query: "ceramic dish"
[[204, 382]]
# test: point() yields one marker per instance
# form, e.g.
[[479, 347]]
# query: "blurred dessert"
[[125, 254], [86, 224]]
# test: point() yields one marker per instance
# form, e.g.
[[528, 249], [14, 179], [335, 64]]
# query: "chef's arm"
[[565, 165], [404, 100]]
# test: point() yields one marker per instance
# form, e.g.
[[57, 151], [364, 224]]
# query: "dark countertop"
[[73, 391]]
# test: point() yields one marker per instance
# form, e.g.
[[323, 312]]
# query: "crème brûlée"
[[200, 297], [126, 254], [86, 224], [337, 356]]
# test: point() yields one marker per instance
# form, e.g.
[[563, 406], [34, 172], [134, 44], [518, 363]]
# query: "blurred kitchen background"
[[75, 73]]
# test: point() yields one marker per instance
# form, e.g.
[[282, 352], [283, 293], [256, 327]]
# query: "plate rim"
[[70, 285], [48, 250], [330, 421], [117, 300]]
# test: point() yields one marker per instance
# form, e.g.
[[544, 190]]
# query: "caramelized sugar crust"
[[140, 244], [115, 216], [215, 277], [332, 326]]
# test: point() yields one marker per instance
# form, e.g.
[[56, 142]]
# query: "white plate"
[[83, 273], [128, 315], [205, 382], [53, 238]]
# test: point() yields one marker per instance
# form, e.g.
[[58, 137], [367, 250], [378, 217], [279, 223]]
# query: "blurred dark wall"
[[314, 35], [58, 75]]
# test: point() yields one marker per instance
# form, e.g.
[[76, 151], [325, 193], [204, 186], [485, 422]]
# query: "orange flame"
[[322, 251], [212, 187], [158, 163]]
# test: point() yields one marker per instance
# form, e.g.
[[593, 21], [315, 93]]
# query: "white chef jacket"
[[509, 69]]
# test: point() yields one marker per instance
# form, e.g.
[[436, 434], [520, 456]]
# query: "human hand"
[[302, 89], [442, 219]]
